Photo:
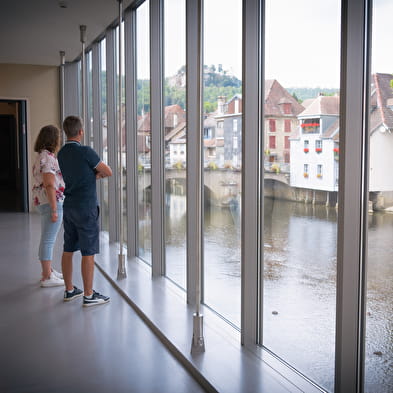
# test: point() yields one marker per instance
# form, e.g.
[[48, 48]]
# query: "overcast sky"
[[302, 39]]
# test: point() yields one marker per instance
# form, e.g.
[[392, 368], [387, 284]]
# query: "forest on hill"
[[217, 82]]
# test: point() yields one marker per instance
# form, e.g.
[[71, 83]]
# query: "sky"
[[302, 39]]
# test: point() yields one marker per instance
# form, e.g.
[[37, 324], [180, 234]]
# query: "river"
[[299, 285]]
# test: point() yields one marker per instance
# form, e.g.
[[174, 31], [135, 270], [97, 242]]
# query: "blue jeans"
[[49, 230]]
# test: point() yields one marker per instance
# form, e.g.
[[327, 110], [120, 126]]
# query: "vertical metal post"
[[121, 269], [96, 91], [83, 65], [157, 138], [131, 128], [62, 107], [97, 111], [353, 195], [112, 135], [71, 89], [252, 173], [194, 37]]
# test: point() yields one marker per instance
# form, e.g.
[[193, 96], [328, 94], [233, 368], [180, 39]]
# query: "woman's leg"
[[49, 231]]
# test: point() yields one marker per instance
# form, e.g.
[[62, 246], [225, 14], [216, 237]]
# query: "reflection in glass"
[[379, 317], [143, 132], [104, 182], [301, 185], [222, 160], [175, 140]]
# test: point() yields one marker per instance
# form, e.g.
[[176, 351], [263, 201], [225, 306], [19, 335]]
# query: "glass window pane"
[[300, 186], [222, 147], [143, 132], [379, 317], [175, 140]]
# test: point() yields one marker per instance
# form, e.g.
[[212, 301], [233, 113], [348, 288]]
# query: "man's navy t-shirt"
[[77, 164]]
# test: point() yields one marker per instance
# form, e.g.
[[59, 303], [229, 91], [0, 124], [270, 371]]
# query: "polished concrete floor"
[[49, 346]]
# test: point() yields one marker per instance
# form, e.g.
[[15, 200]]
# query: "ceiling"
[[35, 31]]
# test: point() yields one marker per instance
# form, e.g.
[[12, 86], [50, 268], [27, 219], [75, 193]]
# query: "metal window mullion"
[[71, 89], [97, 118], [62, 96], [111, 133], [157, 137], [251, 263], [86, 139], [96, 88], [194, 29], [88, 99], [353, 197], [131, 131]]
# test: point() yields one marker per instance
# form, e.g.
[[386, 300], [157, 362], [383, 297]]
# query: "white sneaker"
[[52, 281], [57, 274]]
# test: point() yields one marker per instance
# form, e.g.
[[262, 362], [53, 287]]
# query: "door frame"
[[22, 156]]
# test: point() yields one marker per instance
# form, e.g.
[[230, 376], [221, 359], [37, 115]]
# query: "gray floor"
[[47, 345]]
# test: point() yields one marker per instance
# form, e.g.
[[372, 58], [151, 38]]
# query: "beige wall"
[[39, 85]]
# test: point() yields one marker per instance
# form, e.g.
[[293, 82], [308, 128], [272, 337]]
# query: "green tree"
[[297, 98]]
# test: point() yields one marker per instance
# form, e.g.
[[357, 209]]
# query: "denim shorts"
[[81, 230], [49, 230]]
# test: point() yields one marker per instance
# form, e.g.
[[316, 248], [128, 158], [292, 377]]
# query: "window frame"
[[353, 173]]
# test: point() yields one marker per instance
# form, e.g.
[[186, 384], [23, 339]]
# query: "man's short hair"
[[72, 125]]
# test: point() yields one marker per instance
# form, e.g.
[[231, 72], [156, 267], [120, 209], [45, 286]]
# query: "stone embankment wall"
[[280, 190]]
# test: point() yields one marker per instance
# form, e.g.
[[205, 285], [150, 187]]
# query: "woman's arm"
[[49, 184]]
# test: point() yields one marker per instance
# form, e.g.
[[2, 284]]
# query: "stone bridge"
[[221, 185]]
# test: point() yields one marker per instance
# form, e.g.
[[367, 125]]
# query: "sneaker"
[[52, 281], [57, 274], [68, 296], [97, 298]]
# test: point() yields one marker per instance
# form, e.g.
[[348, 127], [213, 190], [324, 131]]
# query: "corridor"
[[50, 346]]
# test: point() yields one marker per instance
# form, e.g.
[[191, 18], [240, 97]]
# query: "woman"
[[48, 197]]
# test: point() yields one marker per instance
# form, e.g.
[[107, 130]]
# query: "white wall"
[[312, 158], [381, 161]]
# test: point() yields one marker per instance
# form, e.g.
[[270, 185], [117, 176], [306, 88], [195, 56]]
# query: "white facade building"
[[381, 136], [177, 152], [314, 146]]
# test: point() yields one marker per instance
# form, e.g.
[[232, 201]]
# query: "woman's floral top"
[[46, 162]]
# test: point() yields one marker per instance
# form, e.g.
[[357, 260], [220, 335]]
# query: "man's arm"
[[103, 170]]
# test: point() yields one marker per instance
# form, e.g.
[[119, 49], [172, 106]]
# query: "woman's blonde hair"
[[48, 139]]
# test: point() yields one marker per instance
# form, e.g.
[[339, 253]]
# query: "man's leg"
[[66, 267], [88, 274]]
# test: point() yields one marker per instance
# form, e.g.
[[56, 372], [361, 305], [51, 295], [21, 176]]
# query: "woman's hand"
[[54, 216]]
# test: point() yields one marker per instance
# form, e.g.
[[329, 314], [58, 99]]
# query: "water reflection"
[[379, 328], [175, 237], [299, 286], [299, 282], [222, 254]]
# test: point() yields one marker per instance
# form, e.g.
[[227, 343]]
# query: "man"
[[80, 167]]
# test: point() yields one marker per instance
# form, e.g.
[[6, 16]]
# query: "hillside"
[[304, 93]]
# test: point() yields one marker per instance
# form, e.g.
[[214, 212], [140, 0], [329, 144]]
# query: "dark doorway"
[[13, 156]]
